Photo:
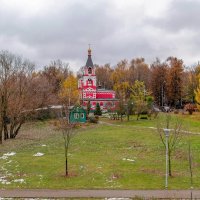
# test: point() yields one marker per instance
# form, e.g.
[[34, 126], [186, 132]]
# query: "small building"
[[77, 114]]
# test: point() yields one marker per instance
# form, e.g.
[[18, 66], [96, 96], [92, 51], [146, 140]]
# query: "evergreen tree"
[[98, 110]]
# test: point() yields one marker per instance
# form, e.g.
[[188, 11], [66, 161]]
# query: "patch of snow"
[[19, 180], [6, 155], [44, 145], [4, 181], [127, 159], [3, 157], [38, 154], [9, 162], [152, 127], [9, 154]]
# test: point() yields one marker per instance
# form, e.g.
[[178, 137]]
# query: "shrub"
[[190, 108], [93, 120]]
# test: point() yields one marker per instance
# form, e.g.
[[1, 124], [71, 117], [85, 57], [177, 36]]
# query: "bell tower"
[[89, 79]]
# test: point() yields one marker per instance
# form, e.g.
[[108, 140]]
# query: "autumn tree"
[[174, 81], [138, 96], [55, 73], [197, 95], [103, 74], [159, 82], [120, 73], [41, 91], [69, 93], [139, 70], [190, 83], [15, 76]]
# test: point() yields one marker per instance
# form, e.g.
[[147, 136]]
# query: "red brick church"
[[89, 91]]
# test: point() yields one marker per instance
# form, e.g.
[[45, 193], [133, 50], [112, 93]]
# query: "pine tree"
[[98, 110]]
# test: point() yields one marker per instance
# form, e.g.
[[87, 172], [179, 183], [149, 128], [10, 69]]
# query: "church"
[[89, 91]]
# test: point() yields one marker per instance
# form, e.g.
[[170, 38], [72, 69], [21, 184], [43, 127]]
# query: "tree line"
[[23, 89], [169, 83]]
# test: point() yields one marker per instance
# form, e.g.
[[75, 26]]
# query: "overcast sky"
[[45, 30]]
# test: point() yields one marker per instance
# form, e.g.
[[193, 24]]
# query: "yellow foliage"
[[197, 94], [69, 90], [121, 89]]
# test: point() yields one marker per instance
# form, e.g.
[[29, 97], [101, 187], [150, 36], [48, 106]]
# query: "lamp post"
[[166, 131]]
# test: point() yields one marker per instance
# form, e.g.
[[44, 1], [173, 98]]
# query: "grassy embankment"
[[126, 155]]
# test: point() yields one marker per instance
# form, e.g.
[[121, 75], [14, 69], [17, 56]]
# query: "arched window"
[[89, 70], [89, 81]]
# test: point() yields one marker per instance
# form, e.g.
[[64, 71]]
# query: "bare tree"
[[176, 133], [69, 95], [15, 74], [68, 133]]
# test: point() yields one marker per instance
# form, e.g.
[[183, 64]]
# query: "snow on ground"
[[38, 154], [127, 159], [6, 155], [4, 181], [19, 180], [6, 177], [44, 145]]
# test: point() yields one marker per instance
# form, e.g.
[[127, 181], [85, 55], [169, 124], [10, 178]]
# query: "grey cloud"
[[182, 14], [63, 32]]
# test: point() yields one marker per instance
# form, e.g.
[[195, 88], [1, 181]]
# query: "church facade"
[[90, 92]]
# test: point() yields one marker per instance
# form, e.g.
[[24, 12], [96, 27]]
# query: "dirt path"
[[149, 194]]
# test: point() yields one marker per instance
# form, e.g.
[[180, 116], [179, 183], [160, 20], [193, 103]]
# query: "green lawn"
[[125, 155]]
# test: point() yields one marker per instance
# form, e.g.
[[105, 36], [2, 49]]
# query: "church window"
[[89, 70], [89, 82]]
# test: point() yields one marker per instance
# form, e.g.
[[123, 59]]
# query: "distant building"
[[89, 91]]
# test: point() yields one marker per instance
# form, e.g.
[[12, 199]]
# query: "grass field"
[[111, 154]]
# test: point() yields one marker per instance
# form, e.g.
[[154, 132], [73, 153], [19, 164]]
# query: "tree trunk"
[[15, 132], [11, 130], [5, 130], [66, 167], [1, 134]]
